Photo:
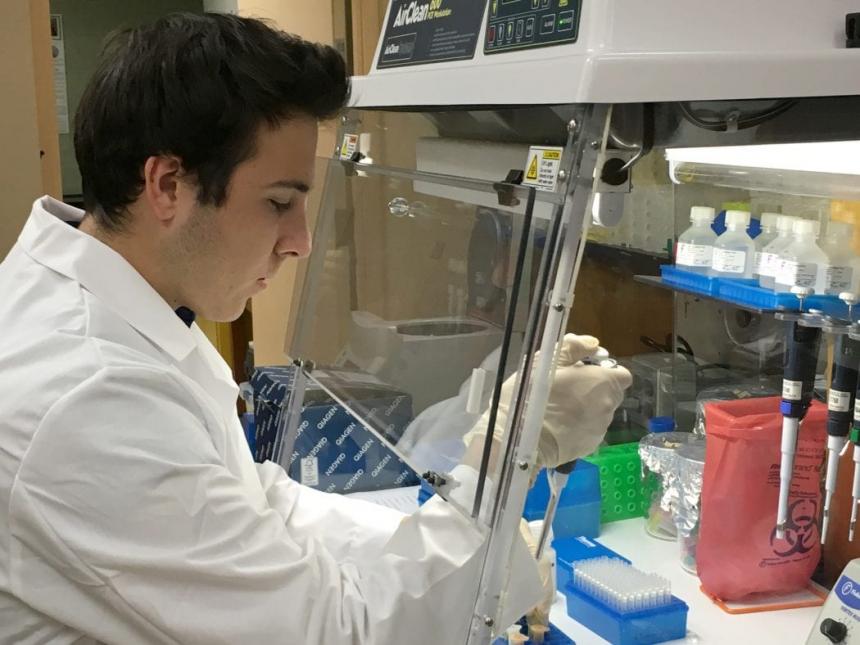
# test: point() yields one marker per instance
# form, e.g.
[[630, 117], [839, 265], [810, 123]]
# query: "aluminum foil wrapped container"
[[657, 452], [690, 466]]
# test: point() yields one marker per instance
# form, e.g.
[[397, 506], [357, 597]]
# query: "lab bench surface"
[[707, 624]]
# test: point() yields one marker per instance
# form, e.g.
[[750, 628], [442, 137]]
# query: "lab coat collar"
[[103, 272]]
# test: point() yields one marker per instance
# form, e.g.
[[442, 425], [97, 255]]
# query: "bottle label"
[[694, 255], [791, 390], [838, 279], [727, 261], [857, 409], [839, 401], [769, 264], [797, 274]]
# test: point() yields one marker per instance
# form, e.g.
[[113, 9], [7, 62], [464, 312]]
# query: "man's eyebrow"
[[300, 186]]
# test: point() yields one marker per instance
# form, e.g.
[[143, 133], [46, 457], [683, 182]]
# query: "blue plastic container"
[[689, 280], [570, 550], [747, 293], [578, 511], [756, 296], [661, 424], [631, 628], [250, 428]]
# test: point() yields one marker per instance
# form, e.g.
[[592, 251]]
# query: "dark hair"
[[197, 86]]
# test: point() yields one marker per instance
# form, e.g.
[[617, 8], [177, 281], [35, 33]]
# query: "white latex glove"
[[581, 403]]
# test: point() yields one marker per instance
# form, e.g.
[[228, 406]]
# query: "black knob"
[[834, 630]]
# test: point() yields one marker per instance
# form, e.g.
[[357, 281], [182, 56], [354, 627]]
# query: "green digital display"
[[526, 24]]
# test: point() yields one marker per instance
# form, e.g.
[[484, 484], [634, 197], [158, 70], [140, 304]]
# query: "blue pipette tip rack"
[[665, 623]]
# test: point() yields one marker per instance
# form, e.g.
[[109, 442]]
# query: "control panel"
[[526, 24], [839, 620]]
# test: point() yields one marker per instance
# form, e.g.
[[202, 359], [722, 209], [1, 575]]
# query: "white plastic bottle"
[[768, 234], [770, 259], [734, 250], [842, 263], [696, 244], [803, 261]]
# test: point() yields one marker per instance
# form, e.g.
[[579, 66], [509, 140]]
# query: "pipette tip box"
[[579, 506], [571, 550], [665, 623]]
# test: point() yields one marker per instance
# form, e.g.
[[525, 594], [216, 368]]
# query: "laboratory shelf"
[[707, 624], [743, 294]]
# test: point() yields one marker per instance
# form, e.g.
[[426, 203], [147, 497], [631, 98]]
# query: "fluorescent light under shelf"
[[838, 158]]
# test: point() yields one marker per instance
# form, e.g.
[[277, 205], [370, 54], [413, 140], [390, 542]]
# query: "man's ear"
[[163, 188]]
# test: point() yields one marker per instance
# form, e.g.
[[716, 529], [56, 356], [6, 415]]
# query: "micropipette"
[[801, 356], [840, 405], [855, 490]]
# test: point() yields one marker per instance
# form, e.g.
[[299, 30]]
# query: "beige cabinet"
[[29, 165], [272, 309]]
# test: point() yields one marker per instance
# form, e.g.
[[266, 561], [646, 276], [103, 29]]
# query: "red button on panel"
[[491, 34]]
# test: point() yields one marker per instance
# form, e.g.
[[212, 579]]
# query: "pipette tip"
[[851, 532], [780, 531]]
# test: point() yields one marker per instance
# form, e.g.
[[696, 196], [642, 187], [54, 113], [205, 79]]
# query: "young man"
[[130, 510]]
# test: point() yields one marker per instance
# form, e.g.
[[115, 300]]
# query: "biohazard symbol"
[[801, 530], [532, 173]]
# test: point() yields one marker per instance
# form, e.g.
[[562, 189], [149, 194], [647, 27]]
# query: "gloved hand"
[[581, 403]]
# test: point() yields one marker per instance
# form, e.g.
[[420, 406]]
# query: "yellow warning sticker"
[[349, 145], [532, 173], [542, 166]]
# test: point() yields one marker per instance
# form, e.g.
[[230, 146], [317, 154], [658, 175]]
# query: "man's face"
[[231, 252]]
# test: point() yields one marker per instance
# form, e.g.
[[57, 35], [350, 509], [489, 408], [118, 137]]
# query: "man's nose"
[[295, 240]]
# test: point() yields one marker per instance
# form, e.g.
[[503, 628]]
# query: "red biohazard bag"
[[738, 553]]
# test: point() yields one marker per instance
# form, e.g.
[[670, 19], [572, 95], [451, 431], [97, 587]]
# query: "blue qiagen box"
[[333, 451]]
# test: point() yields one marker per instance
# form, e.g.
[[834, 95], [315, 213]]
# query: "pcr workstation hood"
[[486, 142]]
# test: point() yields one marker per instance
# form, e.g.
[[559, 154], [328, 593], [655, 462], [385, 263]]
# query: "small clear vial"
[[770, 254], [696, 244], [841, 269], [803, 262], [768, 234], [734, 250]]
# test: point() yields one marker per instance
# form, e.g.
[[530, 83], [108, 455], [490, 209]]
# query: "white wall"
[[221, 6]]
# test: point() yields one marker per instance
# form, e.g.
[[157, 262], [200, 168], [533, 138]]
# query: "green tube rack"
[[623, 494]]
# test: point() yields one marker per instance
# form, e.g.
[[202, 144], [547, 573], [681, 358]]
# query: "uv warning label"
[[349, 145], [542, 167]]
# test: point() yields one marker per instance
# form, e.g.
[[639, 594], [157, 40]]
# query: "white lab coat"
[[132, 512]]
